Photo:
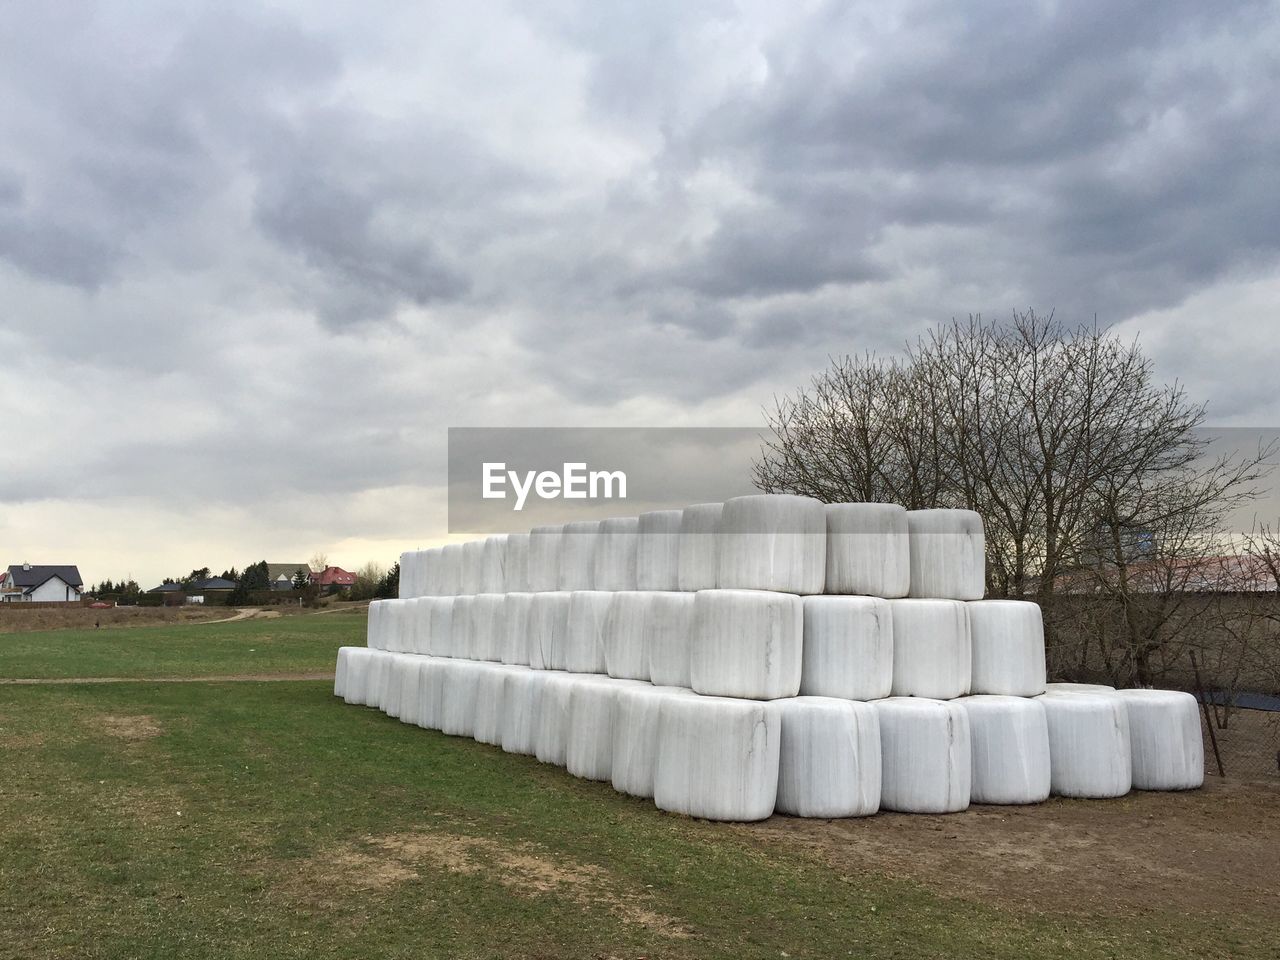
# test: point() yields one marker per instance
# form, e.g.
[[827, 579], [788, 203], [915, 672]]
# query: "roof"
[[29, 576], [333, 575], [1236, 573], [277, 570], [212, 583], [166, 588]]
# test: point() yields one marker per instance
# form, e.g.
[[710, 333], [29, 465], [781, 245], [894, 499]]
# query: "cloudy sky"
[[256, 258]]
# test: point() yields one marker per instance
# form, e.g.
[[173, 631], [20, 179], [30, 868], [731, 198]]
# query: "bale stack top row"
[[777, 542]]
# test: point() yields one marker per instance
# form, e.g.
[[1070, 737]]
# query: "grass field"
[[288, 645], [253, 819]]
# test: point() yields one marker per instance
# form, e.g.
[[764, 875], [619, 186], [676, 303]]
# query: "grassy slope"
[[295, 644], [284, 795]]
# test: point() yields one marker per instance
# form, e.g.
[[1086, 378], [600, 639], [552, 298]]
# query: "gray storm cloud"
[[249, 249]]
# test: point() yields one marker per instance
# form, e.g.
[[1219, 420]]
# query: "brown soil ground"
[[15, 619], [1216, 847]]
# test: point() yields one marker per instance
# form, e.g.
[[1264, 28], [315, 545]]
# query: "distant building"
[[31, 583], [196, 591], [280, 575], [332, 579]]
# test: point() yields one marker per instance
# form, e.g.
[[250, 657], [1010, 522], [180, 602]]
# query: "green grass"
[[148, 820], [219, 838], [306, 643]]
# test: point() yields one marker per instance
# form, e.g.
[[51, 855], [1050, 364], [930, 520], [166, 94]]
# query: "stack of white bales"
[[768, 653]]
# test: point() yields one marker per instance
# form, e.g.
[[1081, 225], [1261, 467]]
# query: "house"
[[280, 575], [194, 591], [208, 589], [174, 594], [333, 579], [42, 583]]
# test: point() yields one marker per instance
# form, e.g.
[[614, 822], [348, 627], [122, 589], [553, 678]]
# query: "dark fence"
[[45, 604]]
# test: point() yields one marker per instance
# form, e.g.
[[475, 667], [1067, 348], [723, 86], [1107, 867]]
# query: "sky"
[[256, 258]]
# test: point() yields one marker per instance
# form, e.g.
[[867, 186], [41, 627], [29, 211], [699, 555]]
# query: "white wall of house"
[[54, 590]]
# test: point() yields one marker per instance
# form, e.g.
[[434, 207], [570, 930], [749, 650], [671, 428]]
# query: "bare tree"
[[1060, 437]]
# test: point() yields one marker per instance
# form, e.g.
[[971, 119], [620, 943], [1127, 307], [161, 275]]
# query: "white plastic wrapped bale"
[[746, 643], [522, 696], [1008, 647], [668, 637], [717, 758], [451, 570], [487, 631], [440, 626], [515, 629], [948, 554], [1010, 749], [1078, 688], [868, 550], [1088, 744], [699, 549], [848, 648], [395, 625], [458, 702], [773, 542], [548, 627], [589, 742], [472, 567], [544, 558], [418, 624], [635, 736], [493, 564], [460, 643], [625, 656], [658, 550], [578, 555], [552, 735], [614, 562], [429, 573], [393, 683], [829, 761], [378, 662], [932, 650], [376, 628], [490, 703], [422, 572], [408, 582], [410, 703], [433, 674], [350, 674], [1165, 742], [925, 755], [517, 569], [388, 675], [584, 631]]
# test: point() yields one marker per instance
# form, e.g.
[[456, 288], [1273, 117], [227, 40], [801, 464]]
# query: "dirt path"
[[1216, 848], [230, 678]]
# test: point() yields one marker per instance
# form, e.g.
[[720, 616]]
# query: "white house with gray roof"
[[41, 583]]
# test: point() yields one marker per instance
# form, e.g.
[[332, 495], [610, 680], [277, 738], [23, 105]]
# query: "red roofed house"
[[333, 579]]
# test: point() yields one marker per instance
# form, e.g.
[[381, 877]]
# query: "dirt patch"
[[1214, 849], [141, 727], [17, 618], [519, 868], [25, 741]]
